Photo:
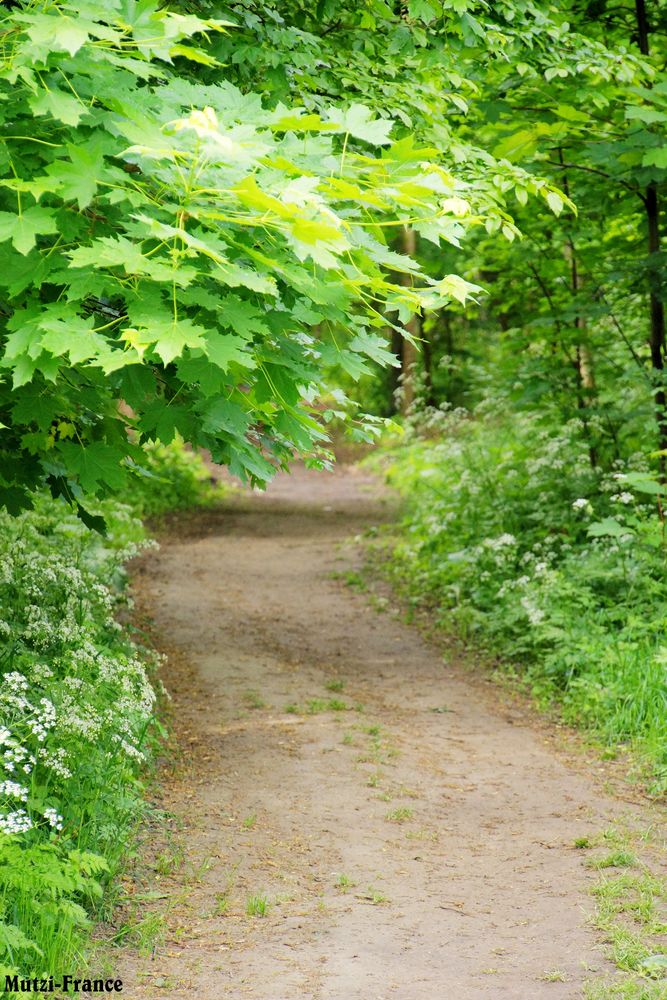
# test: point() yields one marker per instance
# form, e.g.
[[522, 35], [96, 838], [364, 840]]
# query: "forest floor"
[[347, 815]]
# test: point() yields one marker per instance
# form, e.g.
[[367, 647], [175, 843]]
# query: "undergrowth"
[[76, 713], [524, 549], [172, 477]]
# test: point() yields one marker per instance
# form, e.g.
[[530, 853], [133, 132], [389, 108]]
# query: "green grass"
[[375, 896], [80, 793], [257, 906], [84, 787], [336, 686], [169, 862], [630, 914], [254, 700], [400, 815], [317, 706], [615, 859], [553, 976]]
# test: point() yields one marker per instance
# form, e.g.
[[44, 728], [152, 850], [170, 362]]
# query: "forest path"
[[420, 847]]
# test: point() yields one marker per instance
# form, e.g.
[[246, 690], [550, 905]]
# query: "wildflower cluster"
[[75, 707]]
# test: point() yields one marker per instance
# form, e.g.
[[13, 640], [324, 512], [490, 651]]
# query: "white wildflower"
[[54, 818], [623, 497], [15, 822], [13, 790], [534, 614]]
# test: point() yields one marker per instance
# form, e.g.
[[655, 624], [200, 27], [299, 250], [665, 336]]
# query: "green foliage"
[[75, 708], [175, 245], [172, 477], [523, 547]]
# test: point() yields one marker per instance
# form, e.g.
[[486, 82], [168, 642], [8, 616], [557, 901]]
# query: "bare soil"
[[411, 832]]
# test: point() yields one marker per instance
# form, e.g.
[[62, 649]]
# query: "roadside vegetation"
[[77, 712], [523, 549]]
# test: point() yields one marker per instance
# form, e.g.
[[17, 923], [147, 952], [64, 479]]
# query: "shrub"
[[172, 477]]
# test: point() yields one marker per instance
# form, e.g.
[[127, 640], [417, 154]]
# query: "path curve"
[[418, 847]]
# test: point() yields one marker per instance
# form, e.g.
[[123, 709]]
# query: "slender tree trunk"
[[657, 309], [427, 365], [394, 373], [584, 358], [413, 327]]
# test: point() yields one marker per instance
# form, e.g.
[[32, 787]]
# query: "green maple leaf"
[[94, 464], [164, 421], [64, 107], [374, 348], [35, 406], [110, 251], [71, 335], [209, 378], [358, 121], [24, 229], [421, 10], [656, 158], [23, 370], [58, 31], [350, 362], [170, 337], [67, 34], [118, 251], [242, 317], [223, 349], [76, 179], [223, 415], [18, 272], [299, 429]]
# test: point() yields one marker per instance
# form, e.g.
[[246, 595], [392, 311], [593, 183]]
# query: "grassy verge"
[[630, 912], [77, 716], [519, 546]]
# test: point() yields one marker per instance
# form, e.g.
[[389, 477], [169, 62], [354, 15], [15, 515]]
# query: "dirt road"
[[405, 834]]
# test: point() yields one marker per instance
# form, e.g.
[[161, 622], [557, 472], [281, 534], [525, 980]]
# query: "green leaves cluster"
[[177, 258]]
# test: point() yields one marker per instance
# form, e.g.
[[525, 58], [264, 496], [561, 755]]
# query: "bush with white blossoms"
[[516, 542], [76, 704]]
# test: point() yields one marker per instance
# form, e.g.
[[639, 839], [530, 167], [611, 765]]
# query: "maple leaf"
[[23, 229], [94, 464]]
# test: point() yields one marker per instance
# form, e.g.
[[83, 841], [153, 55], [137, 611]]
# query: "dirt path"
[[415, 844]]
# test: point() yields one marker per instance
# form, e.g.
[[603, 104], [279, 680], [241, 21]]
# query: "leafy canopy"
[[177, 257]]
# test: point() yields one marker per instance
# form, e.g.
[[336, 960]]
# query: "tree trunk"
[[394, 374], [413, 327], [657, 309], [584, 358], [427, 366]]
